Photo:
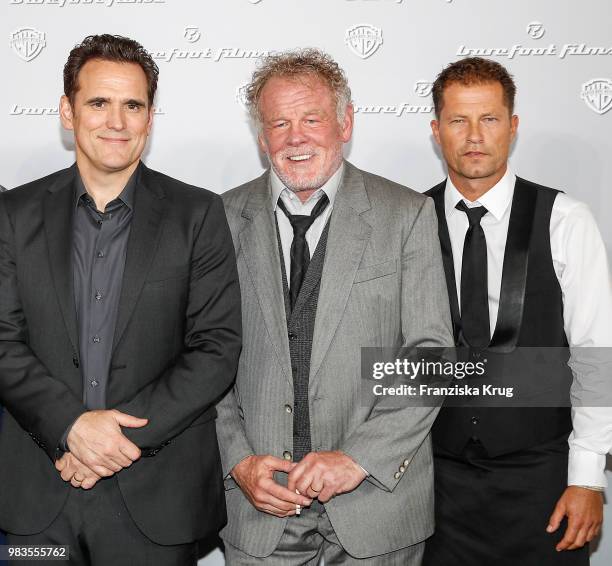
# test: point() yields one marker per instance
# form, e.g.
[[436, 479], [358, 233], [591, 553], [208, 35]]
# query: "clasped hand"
[[319, 475], [98, 448]]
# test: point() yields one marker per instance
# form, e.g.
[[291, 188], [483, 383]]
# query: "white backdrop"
[[560, 52]]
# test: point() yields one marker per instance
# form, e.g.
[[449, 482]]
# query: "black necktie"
[[300, 254], [474, 289]]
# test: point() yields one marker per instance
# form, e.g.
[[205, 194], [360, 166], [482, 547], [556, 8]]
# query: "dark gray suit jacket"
[[175, 351]]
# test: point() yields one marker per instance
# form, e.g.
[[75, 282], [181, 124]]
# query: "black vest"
[[530, 314], [300, 329]]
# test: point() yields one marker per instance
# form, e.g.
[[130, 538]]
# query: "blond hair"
[[295, 64]]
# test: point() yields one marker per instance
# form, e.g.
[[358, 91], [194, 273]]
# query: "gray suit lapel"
[[142, 244], [349, 234], [58, 213], [259, 244]]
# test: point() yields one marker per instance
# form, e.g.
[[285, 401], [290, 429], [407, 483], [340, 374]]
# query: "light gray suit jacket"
[[382, 285]]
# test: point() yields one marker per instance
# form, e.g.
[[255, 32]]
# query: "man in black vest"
[[525, 266]]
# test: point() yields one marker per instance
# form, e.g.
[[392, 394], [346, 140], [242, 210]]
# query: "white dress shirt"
[[296, 206], [581, 266]]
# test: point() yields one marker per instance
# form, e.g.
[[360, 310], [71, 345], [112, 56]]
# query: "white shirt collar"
[[496, 200], [330, 188]]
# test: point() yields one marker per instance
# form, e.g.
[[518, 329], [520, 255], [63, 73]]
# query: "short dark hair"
[[108, 48], [473, 71]]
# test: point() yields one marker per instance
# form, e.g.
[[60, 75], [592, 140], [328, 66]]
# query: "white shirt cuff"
[[586, 468]]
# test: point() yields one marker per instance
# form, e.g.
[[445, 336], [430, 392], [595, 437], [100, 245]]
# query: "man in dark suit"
[[119, 330], [525, 268]]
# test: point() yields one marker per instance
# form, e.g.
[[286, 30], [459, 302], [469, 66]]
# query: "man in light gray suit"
[[330, 259]]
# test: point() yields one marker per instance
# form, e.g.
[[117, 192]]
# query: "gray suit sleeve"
[[234, 445], [385, 444]]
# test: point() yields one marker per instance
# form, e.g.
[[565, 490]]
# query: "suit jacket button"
[[287, 455], [397, 475]]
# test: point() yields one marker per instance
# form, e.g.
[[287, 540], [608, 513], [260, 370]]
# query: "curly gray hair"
[[297, 63]]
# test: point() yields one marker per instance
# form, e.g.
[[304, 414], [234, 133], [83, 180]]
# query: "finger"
[[129, 450], [570, 536], [129, 421], [88, 483], [306, 480], [279, 464], [274, 511], [67, 474], [102, 471], [119, 460], [326, 494], [580, 539], [75, 483], [556, 518], [279, 504], [593, 532], [284, 494], [60, 464]]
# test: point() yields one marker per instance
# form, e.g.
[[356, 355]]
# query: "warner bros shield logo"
[[597, 94], [363, 40], [28, 43]]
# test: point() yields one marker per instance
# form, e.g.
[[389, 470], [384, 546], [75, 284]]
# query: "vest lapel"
[[514, 272], [313, 274], [437, 193]]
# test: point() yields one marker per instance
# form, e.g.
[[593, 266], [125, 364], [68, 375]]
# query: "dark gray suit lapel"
[[259, 243], [144, 236], [58, 214], [348, 236]]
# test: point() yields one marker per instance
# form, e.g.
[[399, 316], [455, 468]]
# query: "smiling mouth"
[[304, 157], [114, 140]]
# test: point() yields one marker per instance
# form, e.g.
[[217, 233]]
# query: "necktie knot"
[[474, 214], [302, 222]]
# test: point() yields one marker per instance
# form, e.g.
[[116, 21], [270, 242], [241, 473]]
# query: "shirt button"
[[287, 455], [94, 383], [475, 420], [292, 336], [100, 253], [289, 409], [98, 296], [96, 339]]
